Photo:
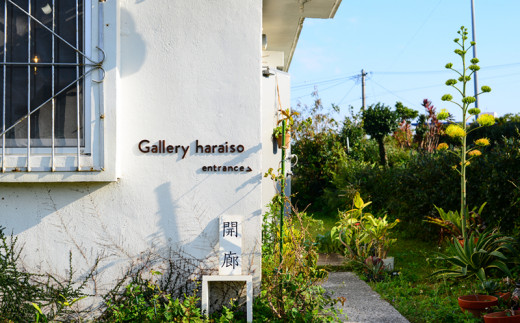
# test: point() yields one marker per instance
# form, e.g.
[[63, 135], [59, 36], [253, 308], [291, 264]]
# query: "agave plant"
[[480, 253]]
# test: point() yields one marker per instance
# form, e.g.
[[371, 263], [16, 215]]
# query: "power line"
[[393, 93], [306, 84], [323, 90], [312, 83], [446, 70], [348, 92], [342, 80], [412, 72], [417, 31]]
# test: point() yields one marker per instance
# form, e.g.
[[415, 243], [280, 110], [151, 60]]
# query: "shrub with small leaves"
[[291, 290]]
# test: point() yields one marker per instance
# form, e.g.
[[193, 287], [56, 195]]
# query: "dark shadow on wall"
[[172, 229], [133, 46]]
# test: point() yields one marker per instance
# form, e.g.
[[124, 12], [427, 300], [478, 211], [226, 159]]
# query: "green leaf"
[[37, 308], [358, 201], [502, 266], [498, 254], [481, 274]]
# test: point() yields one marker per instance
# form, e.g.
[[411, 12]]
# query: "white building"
[[148, 121]]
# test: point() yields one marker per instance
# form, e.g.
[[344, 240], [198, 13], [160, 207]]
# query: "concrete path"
[[362, 303]]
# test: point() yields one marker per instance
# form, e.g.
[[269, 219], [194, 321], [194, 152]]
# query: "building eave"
[[283, 21]]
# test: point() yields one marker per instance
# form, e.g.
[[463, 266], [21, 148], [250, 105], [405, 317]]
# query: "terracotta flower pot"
[[287, 140], [504, 296], [502, 317], [477, 304]]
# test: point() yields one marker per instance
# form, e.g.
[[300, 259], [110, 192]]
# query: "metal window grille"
[[55, 70]]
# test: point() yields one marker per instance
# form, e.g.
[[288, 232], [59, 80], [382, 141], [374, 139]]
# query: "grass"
[[326, 222], [415, 294], [424, 300]]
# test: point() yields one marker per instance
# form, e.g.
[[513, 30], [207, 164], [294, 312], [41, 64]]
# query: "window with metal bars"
[[46, 85]]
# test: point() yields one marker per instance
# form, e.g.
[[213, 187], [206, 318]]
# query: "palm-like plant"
[[480, 253]]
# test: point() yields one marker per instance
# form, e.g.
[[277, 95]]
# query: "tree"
[[405, 113], [429, 128], [379, 121], [318, 148], [403, 134], [352, 132]]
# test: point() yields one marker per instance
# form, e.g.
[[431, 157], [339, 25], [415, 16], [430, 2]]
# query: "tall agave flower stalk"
[[460, 131]]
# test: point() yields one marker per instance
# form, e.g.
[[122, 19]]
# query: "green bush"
[[410, 189], [143, 301], [496, 133], [24, 296], [291, 290], [352, 133], [495, 178], [317, 160]]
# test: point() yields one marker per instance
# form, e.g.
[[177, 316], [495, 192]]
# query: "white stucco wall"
[[188, 70]]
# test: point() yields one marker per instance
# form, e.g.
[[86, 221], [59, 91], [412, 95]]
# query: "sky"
[[404, 45]]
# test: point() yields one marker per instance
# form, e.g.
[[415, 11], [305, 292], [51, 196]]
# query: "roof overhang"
[[283, 20]]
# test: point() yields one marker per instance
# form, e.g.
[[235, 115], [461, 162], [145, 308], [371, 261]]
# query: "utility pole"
[[363, 74], [475, 78]]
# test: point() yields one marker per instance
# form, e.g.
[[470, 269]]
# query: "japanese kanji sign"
[[230, 238]]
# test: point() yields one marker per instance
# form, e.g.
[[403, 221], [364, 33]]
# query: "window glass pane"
[[37, 80]]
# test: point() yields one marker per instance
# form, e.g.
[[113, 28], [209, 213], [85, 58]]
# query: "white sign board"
[[230, 238]]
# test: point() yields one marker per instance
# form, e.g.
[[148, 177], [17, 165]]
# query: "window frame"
[[97, 158]]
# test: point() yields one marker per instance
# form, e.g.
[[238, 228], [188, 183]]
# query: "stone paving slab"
[[332, 259], [362, 303]]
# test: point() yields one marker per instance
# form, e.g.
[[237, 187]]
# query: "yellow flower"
[[454, 130], [467, 163], [486, 120], [474, 153], [443, 115], [482, 142], [442, 146]]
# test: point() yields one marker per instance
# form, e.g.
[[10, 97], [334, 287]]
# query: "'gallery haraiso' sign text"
[[161, 147]]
